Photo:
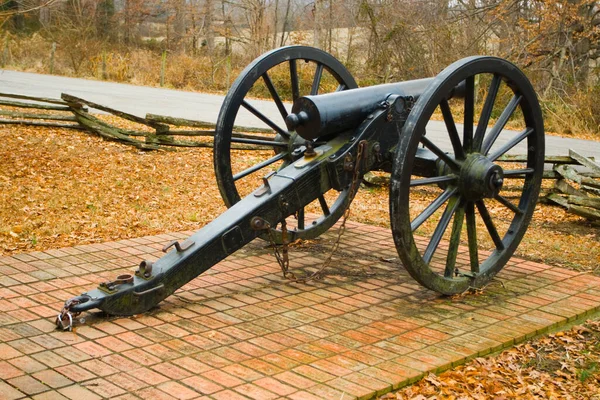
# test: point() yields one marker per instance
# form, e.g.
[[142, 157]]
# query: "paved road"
[[140, 100]]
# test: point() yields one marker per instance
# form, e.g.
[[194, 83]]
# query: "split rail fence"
[[577, 178]]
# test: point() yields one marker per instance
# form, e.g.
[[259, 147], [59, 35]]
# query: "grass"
[[574, 114]]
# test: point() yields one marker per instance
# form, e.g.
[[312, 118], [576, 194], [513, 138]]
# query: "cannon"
[[296, 175]]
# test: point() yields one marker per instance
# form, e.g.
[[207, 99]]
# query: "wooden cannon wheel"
[[445, 234], [276, 78]]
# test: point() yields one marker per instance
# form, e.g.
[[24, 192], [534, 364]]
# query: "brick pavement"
[[240, 331]]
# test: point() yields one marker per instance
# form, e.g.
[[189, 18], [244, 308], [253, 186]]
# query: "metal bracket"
[[265, 188], [186, 244], [145, 270], [471, 275], [111, 287], [154, 289]]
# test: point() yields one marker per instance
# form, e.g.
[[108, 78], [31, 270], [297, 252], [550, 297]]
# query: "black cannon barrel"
[[321, 115]]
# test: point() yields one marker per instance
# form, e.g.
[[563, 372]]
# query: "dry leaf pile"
[[565, 365], [62, 188]]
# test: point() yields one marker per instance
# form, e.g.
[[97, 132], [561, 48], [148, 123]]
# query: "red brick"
[[27, 364], [280, 361], [242, 372], [294, 379], [201, 385], [191, 365], [275, 386], [127, 382], [228, 395], [26, 346], [142, 357], [331, 368], [262, 366], [177, 390], [7, 352], [8, 371], [98, 367], [120, 362], [313, 374], [222, 378], [52, 395], [137, 340], [351, 388], [104, 388], [7, 392], [75, 372], [303, 395], [92, 349], [149, 376], [327, 392], [52, 378], [113, 344], [28, 385], [50, 358], [154, 394], [255, 392]]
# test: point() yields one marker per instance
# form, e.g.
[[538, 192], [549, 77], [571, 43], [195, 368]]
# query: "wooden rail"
[[577, 191]]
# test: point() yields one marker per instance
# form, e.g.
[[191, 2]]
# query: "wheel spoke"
[[469, 111], [301, 218], [440, 229], [499, 125], [294, 78], [340, 87], [506, 203], [438, 152], [432, 208], [324, 205], [435, 179], [264, 119], [472, 236], [510, 144], [259, 166], [452, 131], [459, 217], [489, 224], [259, 142], [250, 136], [275, 95], [517, 173], [486, 112], [317, 80]]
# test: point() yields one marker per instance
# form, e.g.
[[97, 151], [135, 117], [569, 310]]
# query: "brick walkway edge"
[[240, 331]]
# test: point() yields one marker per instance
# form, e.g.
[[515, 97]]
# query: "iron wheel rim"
[[234, 101], [419, 263]]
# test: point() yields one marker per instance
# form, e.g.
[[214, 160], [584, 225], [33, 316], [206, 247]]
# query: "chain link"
[[283, 256], [64, 320]]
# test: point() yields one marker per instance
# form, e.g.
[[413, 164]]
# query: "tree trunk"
[[285, 23], [179, 25], [208, 26], [318, 11]]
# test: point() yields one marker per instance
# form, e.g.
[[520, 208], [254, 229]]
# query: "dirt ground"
[[62, 188]]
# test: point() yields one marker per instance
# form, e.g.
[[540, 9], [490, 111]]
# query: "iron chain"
[[283, 256]]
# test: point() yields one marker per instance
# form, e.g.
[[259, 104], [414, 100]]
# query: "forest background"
[[202, 45]]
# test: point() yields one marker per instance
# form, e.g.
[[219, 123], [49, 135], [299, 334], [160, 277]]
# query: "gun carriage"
[[316, 153]]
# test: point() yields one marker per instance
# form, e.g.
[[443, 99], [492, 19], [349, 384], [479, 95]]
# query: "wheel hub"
[[480, 178]]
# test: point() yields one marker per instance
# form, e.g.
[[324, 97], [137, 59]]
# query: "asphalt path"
[[139, 100]]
